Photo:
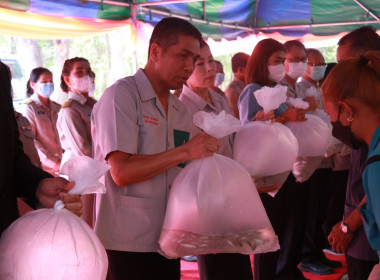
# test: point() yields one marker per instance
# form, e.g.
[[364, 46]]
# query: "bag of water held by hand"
[[267, 149], [214, 207], [53, 243], [313, 136]]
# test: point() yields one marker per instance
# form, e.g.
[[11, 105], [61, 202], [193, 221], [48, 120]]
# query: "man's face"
[[294, 55], [314, 59], [176, 64]]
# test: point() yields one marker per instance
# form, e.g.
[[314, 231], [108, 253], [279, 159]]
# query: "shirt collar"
[[240, 82], [35, 98], [77, 97], [144, 86], [375, 139], [198, 101]]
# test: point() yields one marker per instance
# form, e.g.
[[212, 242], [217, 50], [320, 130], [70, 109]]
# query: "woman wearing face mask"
[[295, 67], [42, 115], [197, 97], [354, 106], [266, 68], [74, 124]]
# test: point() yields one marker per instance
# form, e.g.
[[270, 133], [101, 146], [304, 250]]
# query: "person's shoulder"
[[252, 87], [56, 105], [67, 103], [28, 101], [122, 86]]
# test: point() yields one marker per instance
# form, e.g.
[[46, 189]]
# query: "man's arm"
[[127, 169]]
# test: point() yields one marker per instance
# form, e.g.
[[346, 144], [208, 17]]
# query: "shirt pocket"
[[137, 220]]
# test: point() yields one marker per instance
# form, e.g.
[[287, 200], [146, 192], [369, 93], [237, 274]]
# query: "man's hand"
[[201, 145], [52, 189], [339, 240]]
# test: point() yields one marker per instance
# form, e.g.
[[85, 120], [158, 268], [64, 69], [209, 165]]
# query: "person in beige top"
[[42, 114], [236, 86], [74, 123], [197, 97]]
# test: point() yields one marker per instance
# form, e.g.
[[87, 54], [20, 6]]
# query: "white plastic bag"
[[267, 150], [87, 173], [214, 206], [313, 136], [270, 98], [54, 243], [51, 244]]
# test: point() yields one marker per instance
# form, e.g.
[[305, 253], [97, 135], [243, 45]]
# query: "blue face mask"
[[219, 79], [45, 89], [317, 72]]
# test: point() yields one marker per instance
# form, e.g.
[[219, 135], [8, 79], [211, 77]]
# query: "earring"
[[350, 119]]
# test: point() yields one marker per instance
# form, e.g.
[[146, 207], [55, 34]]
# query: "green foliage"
[[329, 53]]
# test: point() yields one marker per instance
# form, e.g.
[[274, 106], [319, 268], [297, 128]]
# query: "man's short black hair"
[[293, 43], [166, 32], [362, 39], [239, 59]]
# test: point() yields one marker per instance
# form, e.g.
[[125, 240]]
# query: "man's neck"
[[291, 81]]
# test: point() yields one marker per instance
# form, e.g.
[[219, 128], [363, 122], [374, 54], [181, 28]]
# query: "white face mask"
[[45, 89], [296, 69], [219, 79], [317, 72], [276, 72], [81, 85], [92, 91]]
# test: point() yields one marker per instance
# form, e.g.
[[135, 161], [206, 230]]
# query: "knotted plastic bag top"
[[270, 98], [217, 126]]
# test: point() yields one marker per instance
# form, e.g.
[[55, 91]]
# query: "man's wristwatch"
[[345, 228]]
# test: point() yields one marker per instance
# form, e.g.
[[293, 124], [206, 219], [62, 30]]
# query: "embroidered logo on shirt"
[[40, 113], [149, 119]]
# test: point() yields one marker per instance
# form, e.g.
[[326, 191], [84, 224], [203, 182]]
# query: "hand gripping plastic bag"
[[267, 150], [54, 243], [214, 207], [313, 136]]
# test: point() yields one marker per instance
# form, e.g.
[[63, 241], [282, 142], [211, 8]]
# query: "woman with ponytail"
[[74, 124], [42, 114], [354, 109]]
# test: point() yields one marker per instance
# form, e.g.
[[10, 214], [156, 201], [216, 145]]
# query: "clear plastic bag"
[[53, 243], [267, 150], [313, 138], [214, 207]]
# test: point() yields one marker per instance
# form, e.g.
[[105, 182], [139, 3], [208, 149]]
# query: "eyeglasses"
[[316, 64], [296, 59]]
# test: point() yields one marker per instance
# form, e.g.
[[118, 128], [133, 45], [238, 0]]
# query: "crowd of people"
[[142, 127]]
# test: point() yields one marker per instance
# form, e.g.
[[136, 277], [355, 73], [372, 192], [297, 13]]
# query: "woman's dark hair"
[[5, 88], [257, 66], [329, 67], [34, 76], [66, 70]]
